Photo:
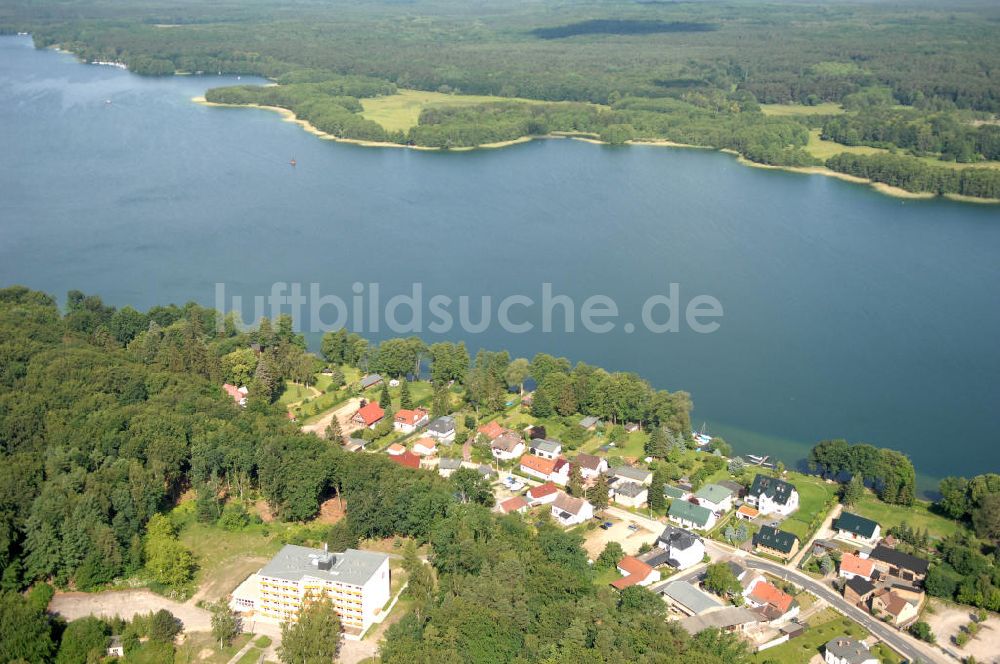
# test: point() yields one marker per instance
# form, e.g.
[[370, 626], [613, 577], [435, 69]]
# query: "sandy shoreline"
[[881, 187]]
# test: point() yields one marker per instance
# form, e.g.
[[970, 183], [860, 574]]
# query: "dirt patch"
[[331, 511], [263, 510], [127, 603], [343, 413], [619, 532], [947, 621], [205, 653]]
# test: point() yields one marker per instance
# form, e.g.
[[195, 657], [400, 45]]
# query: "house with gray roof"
[[843, 650], [442, 429], [685, 549], [854, 528], [688, 599], [729, 619], [448, 466], [779, 543], [589, 422], [771, 495], [545, 448], [632, 474], [371, 380], [630, 494]]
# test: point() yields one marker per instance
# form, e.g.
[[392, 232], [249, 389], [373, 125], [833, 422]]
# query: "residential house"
[[672, 492], [778, 605], [547, 449], [407, 458], [858, 591], [887, 603], [771, 495], [854, 528], [448, 466], [515, 504], [684, 548], [442, 429], [425, 447], [408, 421], [543, 494], [630, 494], [507, 446], [371, 380], [553, 470], [843, 650], [486, 472], [632, 474], [776, 542], [589, 423], [892, 562], [238, 394], [116, 647], [747, 513], [355, 444], [369, 415], [590, 466], [569, 511], [631, 427], [852, 566], [689, 515], [491, 430], [688, 599], [736, 619], [356, 582], [748, 581], [634, 573], [395, 449], [715, 497]]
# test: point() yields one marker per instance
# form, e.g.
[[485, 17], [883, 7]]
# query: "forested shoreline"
[[635, 71]]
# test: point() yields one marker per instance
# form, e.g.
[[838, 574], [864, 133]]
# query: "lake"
[[847, 313]]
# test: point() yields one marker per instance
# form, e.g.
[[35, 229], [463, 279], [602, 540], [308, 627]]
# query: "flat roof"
[[689, 597], [352, 566]]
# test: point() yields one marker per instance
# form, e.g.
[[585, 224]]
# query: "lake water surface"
[[847, 313]]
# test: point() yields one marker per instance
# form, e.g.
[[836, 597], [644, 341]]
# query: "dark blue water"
[[847, 313]]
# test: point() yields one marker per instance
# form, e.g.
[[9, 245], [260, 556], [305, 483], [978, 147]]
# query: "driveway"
[[344, 412], [127, 603], [825, 531]]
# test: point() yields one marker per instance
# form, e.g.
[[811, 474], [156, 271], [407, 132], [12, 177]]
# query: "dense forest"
[[916, 77], [108, 415]]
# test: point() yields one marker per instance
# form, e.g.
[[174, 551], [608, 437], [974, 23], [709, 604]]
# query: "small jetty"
[[292, 163]]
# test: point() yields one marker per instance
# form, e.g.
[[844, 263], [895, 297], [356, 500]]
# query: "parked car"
[[606, 525]]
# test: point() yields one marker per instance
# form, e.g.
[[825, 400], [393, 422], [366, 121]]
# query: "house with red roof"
[[369, 415], [634, 573], [238, 394], [543, 494], [852, 566], [407, 458], [776, 605], [408, 421], [549, 470], [515, 504], [492, 431], [395, 449], [425, 447]]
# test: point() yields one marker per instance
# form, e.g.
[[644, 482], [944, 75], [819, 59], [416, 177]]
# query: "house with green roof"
[[776, 542], [689, 515], [715, 497], [857, 529], [675, 493]]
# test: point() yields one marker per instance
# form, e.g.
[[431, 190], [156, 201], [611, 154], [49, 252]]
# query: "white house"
[[507, 446], [689, 515], [684, 548], [547, 449], [442, 429], [446, 467], [715, 497], [543, 494], [409, 421], [548, 470], [773, 496], [632, 474], [843, 650], [634, 573], [857, 529], [590, 466], [425, 447], [630, 494], [852, 566], [569, 511]]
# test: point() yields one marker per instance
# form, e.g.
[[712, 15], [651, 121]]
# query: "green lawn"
[[402, 110], [824, 149], [917, 516], [196, 643], [828, 108], [801, 649], [813, 496]]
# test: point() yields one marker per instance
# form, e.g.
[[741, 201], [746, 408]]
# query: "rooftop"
[[588, 461], [353, 566], [635, 572], [369, 380], [677, 538], [507, 441], [899, 559], [858, 525], [491, 430], [442, 424], [545, 445], [682, 509], [538, 464], [631, 473], [770, 594], [731, 616], [689, 597], [852, 564], [542, 490], [630, 489], [860, 586], [371, 412], [450, 464], [772, 538], [569, 504], [513, 504], [713, 493], [849, 650], [673, 492], [777, 490], [589, 421]]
